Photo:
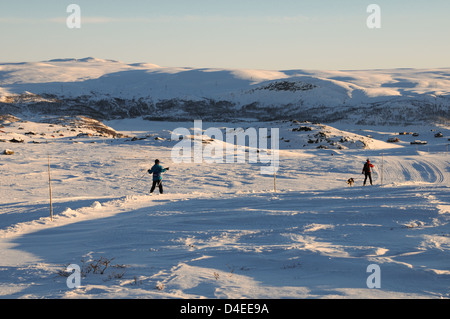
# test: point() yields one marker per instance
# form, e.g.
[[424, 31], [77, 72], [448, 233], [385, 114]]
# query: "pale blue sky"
[[283, 34]]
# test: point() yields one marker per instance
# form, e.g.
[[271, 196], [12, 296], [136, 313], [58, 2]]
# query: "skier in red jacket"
[[367, 171]]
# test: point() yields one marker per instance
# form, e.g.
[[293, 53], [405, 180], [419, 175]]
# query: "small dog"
[[350, 182]]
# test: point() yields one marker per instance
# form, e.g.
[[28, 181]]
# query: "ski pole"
[[159, 183], [139, 180], [161, 178]]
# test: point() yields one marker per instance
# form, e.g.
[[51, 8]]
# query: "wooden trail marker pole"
[[50, 186], [275, 181]]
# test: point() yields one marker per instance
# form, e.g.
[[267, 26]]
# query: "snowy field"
[[220, 230]]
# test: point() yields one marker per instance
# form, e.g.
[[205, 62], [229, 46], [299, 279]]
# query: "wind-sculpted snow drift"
[[106, 89]]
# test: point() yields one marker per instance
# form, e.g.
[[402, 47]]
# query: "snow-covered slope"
[[109, 89], [220, 230]]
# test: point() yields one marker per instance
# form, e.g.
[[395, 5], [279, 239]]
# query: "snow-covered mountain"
[[107, 89]]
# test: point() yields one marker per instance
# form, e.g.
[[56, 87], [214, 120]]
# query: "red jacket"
[[367, 167]]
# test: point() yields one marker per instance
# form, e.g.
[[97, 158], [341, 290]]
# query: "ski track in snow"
[[220, 231]]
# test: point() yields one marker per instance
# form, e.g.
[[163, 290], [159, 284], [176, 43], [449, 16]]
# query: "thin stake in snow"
[[275, 181], [50, 185], [382, 168]]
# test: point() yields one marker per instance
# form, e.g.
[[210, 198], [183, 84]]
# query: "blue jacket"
[[156, 170]]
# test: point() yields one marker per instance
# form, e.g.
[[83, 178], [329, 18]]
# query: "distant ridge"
[[107, 89]]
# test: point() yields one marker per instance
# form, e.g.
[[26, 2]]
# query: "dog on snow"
[[351, 182]]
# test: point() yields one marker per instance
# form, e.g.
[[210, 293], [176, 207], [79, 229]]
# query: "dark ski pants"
[[159, 184], [369, 175]]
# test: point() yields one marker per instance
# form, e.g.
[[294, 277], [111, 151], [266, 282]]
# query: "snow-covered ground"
[[220, 230]]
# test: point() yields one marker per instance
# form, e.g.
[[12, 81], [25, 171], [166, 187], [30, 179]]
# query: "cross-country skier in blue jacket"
[[156, 170]]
